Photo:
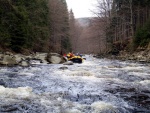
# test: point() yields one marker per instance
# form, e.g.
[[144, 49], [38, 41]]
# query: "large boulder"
[[24, 63], [19, 57], [23, 60], [8, 60], [55, 58], [41, 57]]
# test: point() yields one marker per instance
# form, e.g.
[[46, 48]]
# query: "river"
[[95, 86]]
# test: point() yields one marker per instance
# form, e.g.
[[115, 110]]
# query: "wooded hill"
[[122, 24], [129, 23], [118, 25], [47, 26], [34, 25]]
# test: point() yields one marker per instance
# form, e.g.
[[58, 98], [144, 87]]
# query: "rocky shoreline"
[[137, 56], [11, 59]]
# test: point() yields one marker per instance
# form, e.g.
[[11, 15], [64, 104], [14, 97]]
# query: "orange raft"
[[74, 58]]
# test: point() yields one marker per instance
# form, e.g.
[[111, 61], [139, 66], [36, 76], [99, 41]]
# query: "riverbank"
[[138, 56], [13, 59], [142, 56]]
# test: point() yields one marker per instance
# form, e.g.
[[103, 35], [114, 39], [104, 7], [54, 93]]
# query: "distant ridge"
[[85, 21]]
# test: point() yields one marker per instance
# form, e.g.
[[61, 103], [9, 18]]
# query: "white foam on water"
[[73, 111], [143, 75], [29, 72], [80, 76], [26, 74], [103, 107], [35, 69], [134, 69], [20, 92], [91, 78], [80, 73], [57, 104], [35, 62], [3, 70], [145, 83], [46, 102], [88, 63]]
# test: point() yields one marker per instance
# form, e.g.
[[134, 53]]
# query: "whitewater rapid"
[[95, 86]]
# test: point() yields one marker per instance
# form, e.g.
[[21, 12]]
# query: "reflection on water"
[[95, 86]]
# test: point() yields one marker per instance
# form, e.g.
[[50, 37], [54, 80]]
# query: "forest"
[[47, 26], [34, 25], [108, 72], [119, 25]]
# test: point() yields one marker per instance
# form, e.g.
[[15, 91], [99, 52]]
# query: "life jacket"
[[69, 55]]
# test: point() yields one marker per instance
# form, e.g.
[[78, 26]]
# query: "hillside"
[[84, 21]]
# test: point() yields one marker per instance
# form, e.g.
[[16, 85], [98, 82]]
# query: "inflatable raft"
[[74, 58]]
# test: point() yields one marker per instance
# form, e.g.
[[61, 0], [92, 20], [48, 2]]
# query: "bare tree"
[[103, 20]]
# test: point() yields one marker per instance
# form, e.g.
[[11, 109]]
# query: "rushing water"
[[95, 86]]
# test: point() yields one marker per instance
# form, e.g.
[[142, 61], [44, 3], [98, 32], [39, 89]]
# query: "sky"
[[81, 8]]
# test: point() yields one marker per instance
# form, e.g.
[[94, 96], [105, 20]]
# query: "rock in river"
[[55, 58]]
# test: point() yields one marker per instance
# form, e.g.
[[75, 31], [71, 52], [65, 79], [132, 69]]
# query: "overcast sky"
[[81, 8]]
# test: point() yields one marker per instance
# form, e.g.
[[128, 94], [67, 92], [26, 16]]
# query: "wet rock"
[[8, 53], [42, 57], [2, 83], [22, 60], [132, 58], [63, 68], [140, 97], [8, 108], [24, 63], [24, 106], [142, 56], [122, 90], [8, 60], [19, 57], [55, 58], [146, 91]]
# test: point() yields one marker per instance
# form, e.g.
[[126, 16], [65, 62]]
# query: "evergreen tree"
[[59, 26], [23, 22], [65, 41], [33, 25], [72, 30]]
